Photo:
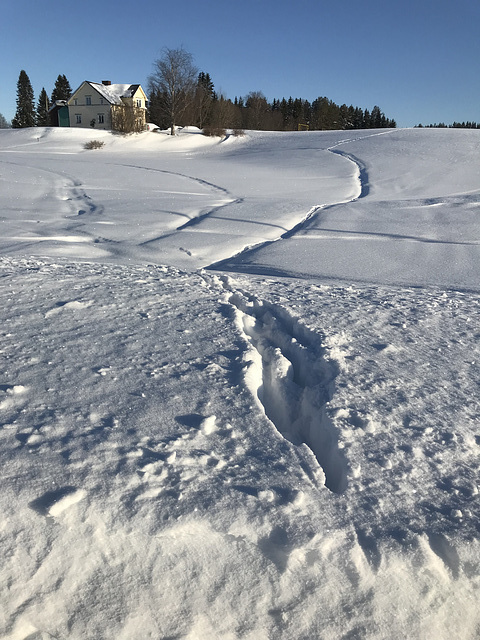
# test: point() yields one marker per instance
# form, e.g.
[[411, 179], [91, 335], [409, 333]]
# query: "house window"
[[139, 102], [78, 118], [75, 102], [101, 101], [101, 118], [88, 100]]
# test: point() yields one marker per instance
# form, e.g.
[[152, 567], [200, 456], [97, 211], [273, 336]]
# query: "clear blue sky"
[[419, 60]]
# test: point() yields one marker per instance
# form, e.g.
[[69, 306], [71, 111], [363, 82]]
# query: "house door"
[[63, 117]]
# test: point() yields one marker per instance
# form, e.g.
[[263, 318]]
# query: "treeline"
[[454, 125], [213, 113], [179, 96], [29, 114]]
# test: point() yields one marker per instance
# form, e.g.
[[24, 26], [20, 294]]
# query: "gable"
[[137, 92], [84, 89]]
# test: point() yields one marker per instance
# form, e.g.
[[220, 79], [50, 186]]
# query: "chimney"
[[107, 83]]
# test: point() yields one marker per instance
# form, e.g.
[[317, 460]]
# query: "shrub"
[[238, 132], [94, 144], [214, 131]]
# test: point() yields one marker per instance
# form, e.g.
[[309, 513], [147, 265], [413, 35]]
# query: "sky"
[[418, 60]]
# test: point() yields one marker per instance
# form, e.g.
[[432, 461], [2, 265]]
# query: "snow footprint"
[[52, 503], [292, 379], [73, 305]]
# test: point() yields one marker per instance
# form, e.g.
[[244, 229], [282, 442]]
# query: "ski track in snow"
[[363, 178], [200, 181], [315, 210], [291, 378], [362, 172], [196, 219]]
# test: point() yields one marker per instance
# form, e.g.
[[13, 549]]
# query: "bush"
[[94, 144], [214, 132], [238, 132]]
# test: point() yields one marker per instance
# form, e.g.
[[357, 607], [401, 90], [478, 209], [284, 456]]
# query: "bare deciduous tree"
[[127, 119], [175, 79], [257, 110]]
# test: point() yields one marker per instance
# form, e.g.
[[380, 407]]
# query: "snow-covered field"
[[239, 394]]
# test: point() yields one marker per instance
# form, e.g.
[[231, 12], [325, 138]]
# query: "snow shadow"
[[362, 172], [190, 420], [44, 503]]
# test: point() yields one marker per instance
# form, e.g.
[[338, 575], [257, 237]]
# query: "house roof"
[[115, 92], [112, 93], [57, 104]]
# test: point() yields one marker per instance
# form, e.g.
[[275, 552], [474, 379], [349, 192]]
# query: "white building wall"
[[87, 107], [78, 109]]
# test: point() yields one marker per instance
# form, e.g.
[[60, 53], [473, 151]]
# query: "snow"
[[239, 390], [114, 93]]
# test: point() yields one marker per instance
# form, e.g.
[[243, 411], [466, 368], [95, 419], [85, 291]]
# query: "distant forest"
[[213, 112], [455, 125]]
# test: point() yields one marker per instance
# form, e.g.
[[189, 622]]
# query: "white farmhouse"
[[106, 106]]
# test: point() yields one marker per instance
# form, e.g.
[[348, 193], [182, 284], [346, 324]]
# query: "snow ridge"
[[292, 380]]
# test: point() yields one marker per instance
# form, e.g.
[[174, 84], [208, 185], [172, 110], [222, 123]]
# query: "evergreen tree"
[[157, 109], [43, 106], [4, 124], [62, 89], [25, 114], [204, 99], [358, 118], [224, 115], [344, 122], [367, 120], [326, 114], [205, 82], [376, 118]]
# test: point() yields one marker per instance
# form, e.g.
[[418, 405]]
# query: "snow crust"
[[239, 389]]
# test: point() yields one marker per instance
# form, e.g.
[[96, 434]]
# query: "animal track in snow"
[[292, 380]]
